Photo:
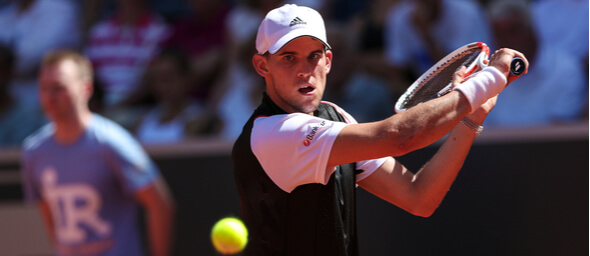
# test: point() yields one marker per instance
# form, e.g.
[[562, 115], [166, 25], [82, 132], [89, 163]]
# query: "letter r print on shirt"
[[72, 205]]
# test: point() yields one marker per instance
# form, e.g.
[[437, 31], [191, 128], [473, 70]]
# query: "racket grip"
[[517, 66]]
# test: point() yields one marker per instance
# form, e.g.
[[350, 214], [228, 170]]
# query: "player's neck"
[[68, 131]]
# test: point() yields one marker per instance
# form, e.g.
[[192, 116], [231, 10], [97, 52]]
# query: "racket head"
[[436, 81]]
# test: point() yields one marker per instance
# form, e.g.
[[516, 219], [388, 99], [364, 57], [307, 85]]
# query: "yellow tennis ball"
[[229, 235]]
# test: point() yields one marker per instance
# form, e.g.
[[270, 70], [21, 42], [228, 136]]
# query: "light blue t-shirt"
[[89, 186]]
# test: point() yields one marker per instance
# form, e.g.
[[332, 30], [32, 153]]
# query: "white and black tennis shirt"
[[290, 200]]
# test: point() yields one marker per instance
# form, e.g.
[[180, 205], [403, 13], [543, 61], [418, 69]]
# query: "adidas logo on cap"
[[296, 21]]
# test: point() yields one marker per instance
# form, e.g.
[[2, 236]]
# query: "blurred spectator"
[[421, 32], [342, 11], [89, 177], [553, 90], [175, 115], [370, 24], [171, 10], [121, 46], [348, 82], [17, 119], [202, 36], [31, 28], [368, 37], [334, 11], [554, 22], [328, 8], [91, 11], [563, 24], [241, 87]]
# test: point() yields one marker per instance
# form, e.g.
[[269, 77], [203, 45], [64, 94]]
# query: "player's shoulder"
[[348, 118], [281, 120], [106, 131], [38, 138], [330, 104], [115, 142]]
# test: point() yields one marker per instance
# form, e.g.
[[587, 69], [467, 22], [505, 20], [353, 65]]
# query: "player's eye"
[[289, 57]]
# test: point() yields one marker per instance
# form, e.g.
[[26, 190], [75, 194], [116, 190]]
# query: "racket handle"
[[517, 66]]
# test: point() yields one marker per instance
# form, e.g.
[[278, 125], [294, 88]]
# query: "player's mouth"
[[307, 89]]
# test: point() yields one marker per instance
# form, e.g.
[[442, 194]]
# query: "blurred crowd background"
[[176, 70]]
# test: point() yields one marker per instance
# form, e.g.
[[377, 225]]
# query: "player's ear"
[[260, 63], [328, 61]]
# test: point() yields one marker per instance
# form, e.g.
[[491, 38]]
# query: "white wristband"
[[486, 84]]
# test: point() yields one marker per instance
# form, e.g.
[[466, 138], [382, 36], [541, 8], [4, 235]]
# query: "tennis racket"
[[437, 81]]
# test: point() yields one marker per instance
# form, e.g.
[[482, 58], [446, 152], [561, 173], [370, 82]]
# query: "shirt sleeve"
[[294, 149], [368, 166], [130, 161]]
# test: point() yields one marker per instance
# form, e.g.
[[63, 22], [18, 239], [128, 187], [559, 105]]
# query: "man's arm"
[[414, 128], [422, 193], [47, 219], [402, 133], [159, 208]]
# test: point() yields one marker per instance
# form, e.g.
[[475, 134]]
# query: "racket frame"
[[472, 68]]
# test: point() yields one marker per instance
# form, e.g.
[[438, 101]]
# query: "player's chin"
[[309, 106]]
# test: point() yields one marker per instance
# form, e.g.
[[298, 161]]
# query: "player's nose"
[[305, 69]]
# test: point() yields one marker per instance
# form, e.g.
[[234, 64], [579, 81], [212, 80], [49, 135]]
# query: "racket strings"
[[442, 76]]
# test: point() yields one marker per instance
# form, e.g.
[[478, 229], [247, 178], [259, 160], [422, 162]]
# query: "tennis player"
[[299, 159], [87, 174]]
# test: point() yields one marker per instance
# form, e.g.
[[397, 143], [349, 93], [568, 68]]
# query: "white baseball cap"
[[283, 24]]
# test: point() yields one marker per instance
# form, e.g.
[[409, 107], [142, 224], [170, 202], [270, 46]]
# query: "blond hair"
[[81, 61]]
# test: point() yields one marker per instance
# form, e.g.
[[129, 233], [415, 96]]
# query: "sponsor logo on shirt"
[[309, 137]]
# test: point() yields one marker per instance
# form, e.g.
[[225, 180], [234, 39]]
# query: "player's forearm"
[[434, 180], [400, 134], [160, 207], [47, 220], [426, 123], [160, 223]]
